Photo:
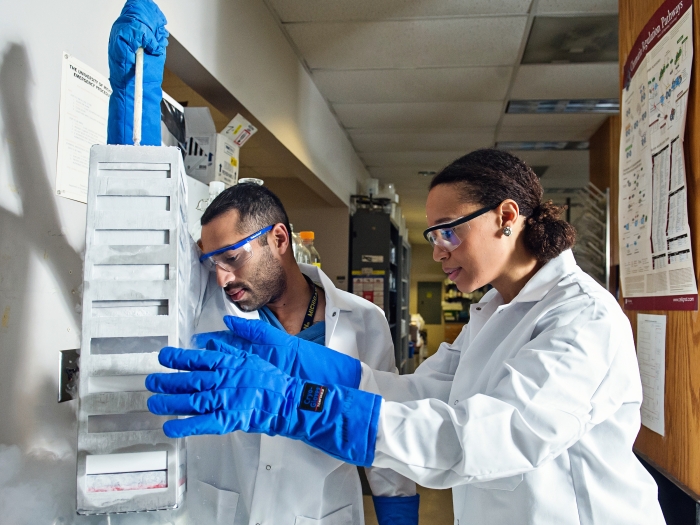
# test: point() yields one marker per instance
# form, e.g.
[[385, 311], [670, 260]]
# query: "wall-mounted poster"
[[656, 263]]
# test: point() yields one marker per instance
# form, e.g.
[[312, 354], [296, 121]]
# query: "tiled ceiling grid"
[[418, 83]]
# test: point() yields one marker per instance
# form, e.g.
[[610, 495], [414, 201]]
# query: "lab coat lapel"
[[335, 304]]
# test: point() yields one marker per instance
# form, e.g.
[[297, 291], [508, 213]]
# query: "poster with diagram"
[[656, 264]]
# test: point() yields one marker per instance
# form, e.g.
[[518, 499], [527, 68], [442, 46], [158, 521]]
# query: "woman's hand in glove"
[[225, 393]]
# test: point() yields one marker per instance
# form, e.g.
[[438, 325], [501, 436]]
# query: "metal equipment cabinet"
[[379, 265]]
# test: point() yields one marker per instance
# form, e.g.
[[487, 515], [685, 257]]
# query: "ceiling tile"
[[572, 39], [411, 159], [414, 85], [419, 115], [341, 10], [418, 141], [546, 7], [567, 81], [586, 123], [566, 176], [566, 169], [483, 41]]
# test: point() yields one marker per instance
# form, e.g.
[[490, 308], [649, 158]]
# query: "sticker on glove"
[[313, 397]]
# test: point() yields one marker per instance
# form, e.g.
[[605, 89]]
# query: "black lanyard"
[[311, 309]]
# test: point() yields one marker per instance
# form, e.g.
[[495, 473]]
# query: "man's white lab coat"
[[531, 414], [278, 481]]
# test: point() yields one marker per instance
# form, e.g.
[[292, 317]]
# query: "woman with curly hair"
[[529, 416]]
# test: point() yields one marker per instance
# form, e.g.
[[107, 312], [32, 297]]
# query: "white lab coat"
[[278, 481], [531, 414]]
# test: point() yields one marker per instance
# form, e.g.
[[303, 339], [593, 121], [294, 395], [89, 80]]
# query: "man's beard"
[[266, 285]]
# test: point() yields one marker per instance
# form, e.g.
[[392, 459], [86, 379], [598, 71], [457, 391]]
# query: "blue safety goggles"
[[231, 258]]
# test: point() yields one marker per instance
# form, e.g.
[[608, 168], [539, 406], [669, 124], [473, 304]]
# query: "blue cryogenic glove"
[[140, 24], [225, 393], [396, 510], [294, 356]]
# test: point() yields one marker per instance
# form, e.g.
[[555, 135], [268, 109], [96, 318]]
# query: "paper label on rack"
[[127, 462]]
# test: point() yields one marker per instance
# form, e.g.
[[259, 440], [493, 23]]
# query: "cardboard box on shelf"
[[210, 156], [239, 130]]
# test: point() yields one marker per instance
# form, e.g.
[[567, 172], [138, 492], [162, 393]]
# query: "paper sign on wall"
[[656, 264], [83, 112], [651, 354]]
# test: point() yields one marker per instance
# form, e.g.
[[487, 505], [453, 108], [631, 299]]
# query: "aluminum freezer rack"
[[136, 274]]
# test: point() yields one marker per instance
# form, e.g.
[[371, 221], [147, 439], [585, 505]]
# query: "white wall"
[[42, 236], [241, 45]]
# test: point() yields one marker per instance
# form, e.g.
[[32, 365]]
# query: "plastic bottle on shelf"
[[215, 187], [308, 240], [301, 254]]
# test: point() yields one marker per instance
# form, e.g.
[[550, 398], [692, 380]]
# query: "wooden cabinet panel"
[[678, 452]]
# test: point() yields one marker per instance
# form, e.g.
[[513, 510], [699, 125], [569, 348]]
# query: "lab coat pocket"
[[208, 505], [510, 483], [339, 517]]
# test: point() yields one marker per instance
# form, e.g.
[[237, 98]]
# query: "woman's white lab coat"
[[531, 414], [277, 481]]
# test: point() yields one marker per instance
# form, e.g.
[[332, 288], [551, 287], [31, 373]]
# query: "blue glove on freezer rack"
[[294, 356], [140, 24], [226, 393]]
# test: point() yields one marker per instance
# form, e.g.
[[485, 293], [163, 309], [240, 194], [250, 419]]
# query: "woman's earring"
[[507, 231]]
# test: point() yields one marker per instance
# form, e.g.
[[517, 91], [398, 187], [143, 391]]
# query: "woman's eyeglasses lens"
[[445, 239]]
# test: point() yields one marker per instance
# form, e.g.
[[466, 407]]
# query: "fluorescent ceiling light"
[[542, 146], [601, 105]]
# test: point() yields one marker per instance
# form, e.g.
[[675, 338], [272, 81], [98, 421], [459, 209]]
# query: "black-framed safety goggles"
[[444, 236]]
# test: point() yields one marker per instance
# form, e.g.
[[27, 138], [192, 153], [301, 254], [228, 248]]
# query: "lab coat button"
[[478, 307], [334, 313], [268, 467], [456, 401]]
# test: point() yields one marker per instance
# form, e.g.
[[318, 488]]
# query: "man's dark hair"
[[257, 208]]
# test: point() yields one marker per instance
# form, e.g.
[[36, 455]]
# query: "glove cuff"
[[338, 420], [397, 510]]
